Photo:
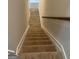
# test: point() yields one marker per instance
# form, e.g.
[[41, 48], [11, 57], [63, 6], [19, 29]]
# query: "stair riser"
[[36, 35], [36, 38], [30, 49], [48, 55], [37, 43]]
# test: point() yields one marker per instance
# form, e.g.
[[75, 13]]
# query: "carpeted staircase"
[[37, 44]]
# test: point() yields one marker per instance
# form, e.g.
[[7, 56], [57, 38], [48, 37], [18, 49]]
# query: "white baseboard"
[[58, 44], [21, 41]]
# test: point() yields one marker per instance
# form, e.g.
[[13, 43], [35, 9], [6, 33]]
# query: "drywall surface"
[[17, 22], [55, 8], [60, 29], [27, 12]]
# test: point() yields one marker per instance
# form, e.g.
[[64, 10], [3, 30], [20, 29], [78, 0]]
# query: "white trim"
[[21, 41], [58, 44], [11, 51]]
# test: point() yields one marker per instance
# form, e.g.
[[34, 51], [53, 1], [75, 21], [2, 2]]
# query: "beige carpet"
[[37, 44]]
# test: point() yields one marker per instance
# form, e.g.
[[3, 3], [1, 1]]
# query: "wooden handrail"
[[60, 18]]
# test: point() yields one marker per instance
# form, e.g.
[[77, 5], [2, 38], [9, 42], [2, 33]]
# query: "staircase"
[[37, 44]]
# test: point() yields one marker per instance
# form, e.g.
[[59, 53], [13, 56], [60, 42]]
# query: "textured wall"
[[17, 22], [55, 8], [58, 28]]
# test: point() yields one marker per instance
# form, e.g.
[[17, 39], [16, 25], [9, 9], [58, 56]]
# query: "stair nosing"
[[27, 40], [38, 45]]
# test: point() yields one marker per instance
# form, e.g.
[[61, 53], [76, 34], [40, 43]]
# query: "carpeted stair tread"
[[36, 35], [39, 48], [37, 42], [36, 38]]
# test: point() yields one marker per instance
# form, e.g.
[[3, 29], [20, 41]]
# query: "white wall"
[[58, 28], [17, 22], [55, 8], [27, 11]]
